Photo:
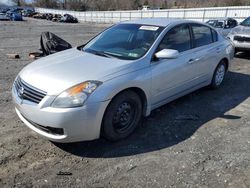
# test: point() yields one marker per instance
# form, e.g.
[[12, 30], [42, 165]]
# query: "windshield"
[[246, 22], [212, 22], [124, 41]]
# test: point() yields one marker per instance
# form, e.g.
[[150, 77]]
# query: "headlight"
[[76, 95]]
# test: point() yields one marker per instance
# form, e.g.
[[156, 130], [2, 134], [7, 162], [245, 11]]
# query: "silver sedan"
[[104, 87]]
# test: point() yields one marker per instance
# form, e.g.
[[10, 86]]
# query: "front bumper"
[[74, 124], [240, 45]]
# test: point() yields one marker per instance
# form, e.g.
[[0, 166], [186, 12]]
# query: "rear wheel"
[[122, 116], [219, 75]]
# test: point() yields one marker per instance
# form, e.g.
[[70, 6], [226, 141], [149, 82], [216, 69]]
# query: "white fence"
[[199, 14]]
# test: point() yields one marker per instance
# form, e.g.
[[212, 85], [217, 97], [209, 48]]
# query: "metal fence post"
[[226, 12], [204, 15]]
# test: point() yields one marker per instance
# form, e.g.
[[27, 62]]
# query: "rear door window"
[[202, 35]]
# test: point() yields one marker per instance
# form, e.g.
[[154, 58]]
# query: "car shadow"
[[173, 122]]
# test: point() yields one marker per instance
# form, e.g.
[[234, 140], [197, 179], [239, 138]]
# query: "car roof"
[[161, 22]]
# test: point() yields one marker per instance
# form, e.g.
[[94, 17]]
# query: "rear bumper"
[[61, 124]]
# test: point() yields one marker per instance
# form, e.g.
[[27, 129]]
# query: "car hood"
[[58, 72], [241, 30]]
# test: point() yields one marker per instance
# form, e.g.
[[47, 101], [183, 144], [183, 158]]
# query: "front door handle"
[[193, 60]]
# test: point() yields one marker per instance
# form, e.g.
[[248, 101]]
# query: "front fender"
[[109, 89]]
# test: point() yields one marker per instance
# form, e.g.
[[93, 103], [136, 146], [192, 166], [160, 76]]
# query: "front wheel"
[[122, 116], [219, 75]]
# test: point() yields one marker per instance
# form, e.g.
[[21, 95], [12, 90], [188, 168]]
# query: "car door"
[[206, 45], [171, 77]]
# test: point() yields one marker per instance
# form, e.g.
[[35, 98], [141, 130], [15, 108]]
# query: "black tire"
[[215, 84], [122, 116]]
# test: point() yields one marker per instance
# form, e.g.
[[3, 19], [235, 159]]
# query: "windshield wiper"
[[101, 53]]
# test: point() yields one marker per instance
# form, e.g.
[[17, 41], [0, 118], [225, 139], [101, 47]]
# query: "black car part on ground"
[[51, 43]]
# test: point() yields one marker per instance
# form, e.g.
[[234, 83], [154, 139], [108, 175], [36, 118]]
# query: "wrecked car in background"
[[223, 25], [39, 16], [28, 12], [67, 18]]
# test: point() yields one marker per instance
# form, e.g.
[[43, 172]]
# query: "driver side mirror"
[[167, 54]]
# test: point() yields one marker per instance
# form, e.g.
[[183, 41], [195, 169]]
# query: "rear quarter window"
[[214, 35]]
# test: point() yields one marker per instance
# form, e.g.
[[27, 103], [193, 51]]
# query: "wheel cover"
[[124, 117], [219, 75]]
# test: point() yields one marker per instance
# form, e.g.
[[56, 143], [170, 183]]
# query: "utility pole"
[[65, 4]]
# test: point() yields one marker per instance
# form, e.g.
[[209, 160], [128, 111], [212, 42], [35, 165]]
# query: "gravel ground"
[[200, 140]]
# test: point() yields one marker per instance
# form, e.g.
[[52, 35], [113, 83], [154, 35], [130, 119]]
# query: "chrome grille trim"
[[242, 38], [28, 92]]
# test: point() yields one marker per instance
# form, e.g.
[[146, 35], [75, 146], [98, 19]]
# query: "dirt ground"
[[200, 140]]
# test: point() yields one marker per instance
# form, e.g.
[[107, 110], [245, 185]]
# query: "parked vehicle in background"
[[4, 17], [4, 10], [223, 25], [15, 16], [104, 87], [240, 36]]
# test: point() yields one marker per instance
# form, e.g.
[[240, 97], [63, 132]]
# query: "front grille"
[[242, 39], [27, 92]]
